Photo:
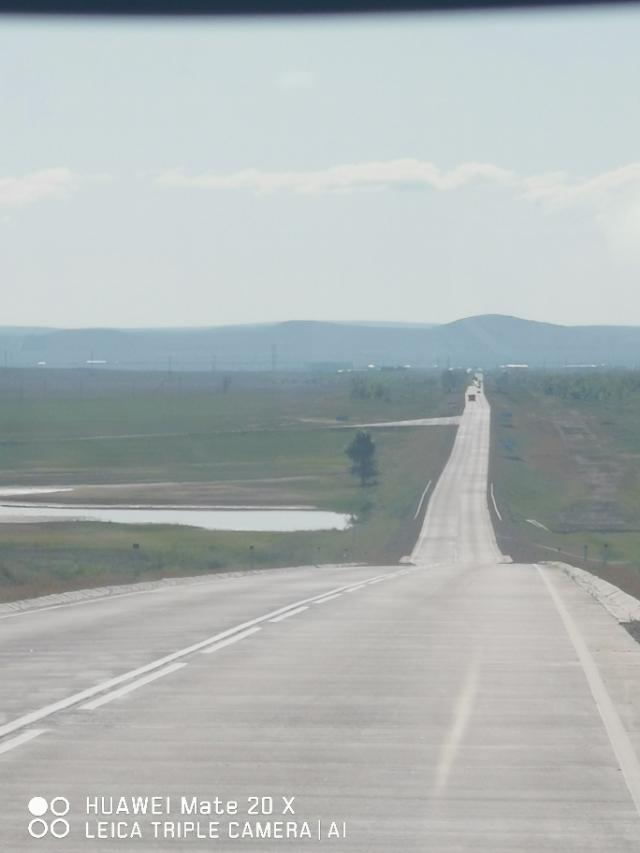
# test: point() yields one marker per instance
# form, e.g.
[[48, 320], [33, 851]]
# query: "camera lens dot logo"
[[38, 806], [59, 806], [39, 827], [59, 828]]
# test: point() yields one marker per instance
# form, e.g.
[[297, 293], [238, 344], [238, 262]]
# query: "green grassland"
[[275, 429], [260, 427], [566, 453], [184, 404]]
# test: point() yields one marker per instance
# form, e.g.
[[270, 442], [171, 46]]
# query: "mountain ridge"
[[486, 340]]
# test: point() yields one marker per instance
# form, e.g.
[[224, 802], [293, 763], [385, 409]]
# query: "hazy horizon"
[[348, 322]]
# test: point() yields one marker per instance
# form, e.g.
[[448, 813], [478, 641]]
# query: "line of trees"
[[610, 385]]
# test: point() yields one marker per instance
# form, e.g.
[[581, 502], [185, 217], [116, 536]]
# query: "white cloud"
[[36, 186], [557, 188], [612, 197], [376, 175], [553, 188]]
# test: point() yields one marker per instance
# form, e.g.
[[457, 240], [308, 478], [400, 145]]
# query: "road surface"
[[459, 703]]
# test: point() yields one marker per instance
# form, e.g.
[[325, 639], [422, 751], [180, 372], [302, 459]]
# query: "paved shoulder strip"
[[620, 741]]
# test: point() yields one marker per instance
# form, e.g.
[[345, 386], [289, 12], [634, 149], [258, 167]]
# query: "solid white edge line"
[[20, 739], [133, 685], [228, 642], [355, 588], [69, 701], [421, 501], [618, 737], [286, 615], [495, 505], [98, 599], [328, 598]]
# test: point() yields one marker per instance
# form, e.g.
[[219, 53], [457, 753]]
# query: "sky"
[[410, 168]]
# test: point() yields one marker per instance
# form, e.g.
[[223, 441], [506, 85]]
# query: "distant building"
[[328, 366]]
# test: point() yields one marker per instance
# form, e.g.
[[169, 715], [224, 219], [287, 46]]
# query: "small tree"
[[362, 452]]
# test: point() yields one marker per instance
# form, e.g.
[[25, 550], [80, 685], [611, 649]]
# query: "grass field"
[[272, 439], [573, 466], [261, 426]]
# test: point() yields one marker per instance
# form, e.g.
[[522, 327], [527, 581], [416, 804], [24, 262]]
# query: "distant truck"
[[471, 398]]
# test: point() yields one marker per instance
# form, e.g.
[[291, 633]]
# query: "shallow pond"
[[257, 520]]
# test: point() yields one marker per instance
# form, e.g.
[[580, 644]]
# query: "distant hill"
[[484, 341]]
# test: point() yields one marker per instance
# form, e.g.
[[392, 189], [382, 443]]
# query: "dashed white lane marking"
[[133, 685], [236, 638], [536, 523], [460, 721], [361, 586], [495, 505], [375, 578], [421, 501], [25, 737], [620, 741], [289, 613], [76, 698]]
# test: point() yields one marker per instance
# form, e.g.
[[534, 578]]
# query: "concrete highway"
[[457, 703]]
